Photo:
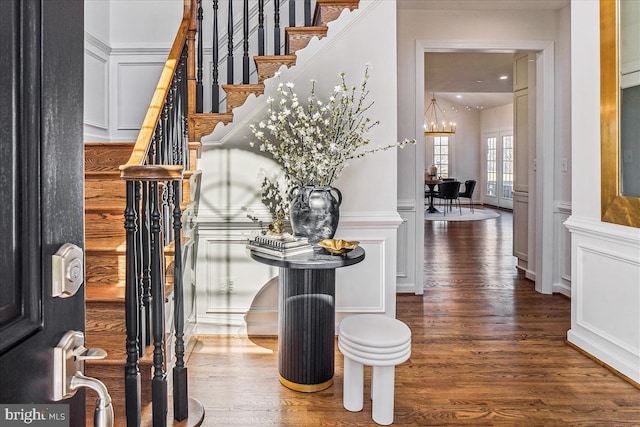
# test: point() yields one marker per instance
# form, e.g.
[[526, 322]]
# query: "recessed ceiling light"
[[503, 77], [459, 96], [478, 81]]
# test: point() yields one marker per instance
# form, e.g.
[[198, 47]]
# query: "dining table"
[[431, 183]]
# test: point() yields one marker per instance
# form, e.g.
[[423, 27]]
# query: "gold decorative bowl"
[[338, 247]]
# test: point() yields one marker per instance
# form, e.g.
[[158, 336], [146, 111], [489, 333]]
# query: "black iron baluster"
[[137, 208], [307, 13], [276, 27], [180, 397], [146, 264], [245, 43], [199, 87], [183, 146], [260, 27], [230, 45], [292, 13], [161, 155], [215, 89], [159, 381], [131, 372]]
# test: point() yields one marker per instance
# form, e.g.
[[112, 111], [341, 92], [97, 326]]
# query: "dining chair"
[[449, 191], [469, 187]]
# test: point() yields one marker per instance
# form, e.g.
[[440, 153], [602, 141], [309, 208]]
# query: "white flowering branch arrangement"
[[313, 140]]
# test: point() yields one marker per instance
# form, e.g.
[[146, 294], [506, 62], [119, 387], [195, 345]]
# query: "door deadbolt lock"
[[67, 270]]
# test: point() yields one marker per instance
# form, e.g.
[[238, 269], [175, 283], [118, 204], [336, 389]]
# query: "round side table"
[[306, 316]]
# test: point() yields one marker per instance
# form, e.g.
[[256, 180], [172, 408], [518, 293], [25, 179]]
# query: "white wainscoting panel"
[[405, 274], [96, 87], [605, 293], [521, 228], [237, 295], [136, 82], [562, 263]]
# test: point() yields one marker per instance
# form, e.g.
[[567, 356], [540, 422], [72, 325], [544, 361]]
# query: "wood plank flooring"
[[486, 350]]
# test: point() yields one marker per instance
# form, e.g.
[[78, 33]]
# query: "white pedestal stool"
[[381, 342]]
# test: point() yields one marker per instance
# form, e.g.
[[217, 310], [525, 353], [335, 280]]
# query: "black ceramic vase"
[[314, 212]]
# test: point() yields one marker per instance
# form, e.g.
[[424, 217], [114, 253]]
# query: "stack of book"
[[279, 245]]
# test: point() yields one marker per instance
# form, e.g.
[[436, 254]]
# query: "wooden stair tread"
[[297, 38], [115, 292], [102, 293], [238, 94], [329, 10], [106, 244], [267, 66], [275, 58], [117, 244], [201, 124], [307, 30], [111, 173]]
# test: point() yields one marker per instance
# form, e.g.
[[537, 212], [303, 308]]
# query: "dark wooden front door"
[[41, 180]]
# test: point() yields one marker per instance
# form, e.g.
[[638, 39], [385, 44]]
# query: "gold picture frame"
[[615, 208]]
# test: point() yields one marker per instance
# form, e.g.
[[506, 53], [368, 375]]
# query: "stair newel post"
[[180, 387], [245, 43], [137, 208], [292, 13], [276, 28], [307, 13], [230, 44], [199, 87], [131, 372], [215, 88], [260, 27], [159, 381]]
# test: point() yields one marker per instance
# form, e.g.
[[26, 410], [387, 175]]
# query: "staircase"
[[296, 38], [105, 243], [105, 271]]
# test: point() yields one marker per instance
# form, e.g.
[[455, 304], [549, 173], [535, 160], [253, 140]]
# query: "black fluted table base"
[[307, 315], [306, 328]]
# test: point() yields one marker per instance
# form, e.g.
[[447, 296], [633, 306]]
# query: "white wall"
[[483, 29], [368, 213], [605, 258], [126, 46]]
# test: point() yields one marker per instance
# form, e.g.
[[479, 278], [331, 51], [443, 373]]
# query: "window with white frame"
[[441, 155]]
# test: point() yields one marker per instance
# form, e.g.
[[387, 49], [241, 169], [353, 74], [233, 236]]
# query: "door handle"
[[68, 367]]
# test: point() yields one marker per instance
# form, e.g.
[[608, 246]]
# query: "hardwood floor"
[[486, 350]]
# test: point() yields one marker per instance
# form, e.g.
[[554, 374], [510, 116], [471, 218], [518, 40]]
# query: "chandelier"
[[435, 121]]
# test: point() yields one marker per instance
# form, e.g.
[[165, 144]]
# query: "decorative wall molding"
[[405, 270], [96, 113], [135, 82], [97, 42], [137, 50], [96, 89], [239, 295], [562, 267], [605, 297], [610, 233]]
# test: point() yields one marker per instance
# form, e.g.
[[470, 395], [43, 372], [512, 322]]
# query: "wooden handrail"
[[145, 136]]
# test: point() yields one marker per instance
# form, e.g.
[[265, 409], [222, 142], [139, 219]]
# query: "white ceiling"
[[483, 5], [454, 76], [469, 79]]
